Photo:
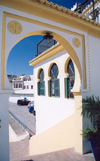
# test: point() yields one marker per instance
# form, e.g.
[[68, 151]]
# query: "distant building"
[[22, 82], [11, 77], [87, 9], [23, 87], [28, 82]]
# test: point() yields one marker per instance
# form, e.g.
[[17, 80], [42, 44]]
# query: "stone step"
[[19, 150]]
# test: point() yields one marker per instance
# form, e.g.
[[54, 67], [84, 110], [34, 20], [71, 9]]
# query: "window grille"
[[54, 89], [69, 82], [41, 83], [43, 46], [41, 88]]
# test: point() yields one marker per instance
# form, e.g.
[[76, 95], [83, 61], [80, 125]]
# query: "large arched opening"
[[67, 47], [78, 79]]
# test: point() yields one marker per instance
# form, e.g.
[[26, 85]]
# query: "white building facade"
[[22, 82], [23, 88]]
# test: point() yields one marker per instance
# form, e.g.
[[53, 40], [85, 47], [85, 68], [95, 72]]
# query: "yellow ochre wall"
[[60, 136]]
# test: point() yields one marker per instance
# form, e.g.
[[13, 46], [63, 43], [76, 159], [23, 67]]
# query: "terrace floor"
[[19, 151]]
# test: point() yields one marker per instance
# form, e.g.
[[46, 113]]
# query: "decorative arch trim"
[[66, 63], [61, 40], [39, 73], [58, 65]]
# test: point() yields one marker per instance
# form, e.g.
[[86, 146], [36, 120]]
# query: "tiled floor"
[[19, 151]]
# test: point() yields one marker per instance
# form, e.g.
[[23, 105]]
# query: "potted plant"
[[91, 109]]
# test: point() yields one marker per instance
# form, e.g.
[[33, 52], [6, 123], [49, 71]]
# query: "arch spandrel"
[[57, 34]]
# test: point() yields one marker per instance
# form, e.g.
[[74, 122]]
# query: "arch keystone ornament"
[[76, 42], [15, 27]]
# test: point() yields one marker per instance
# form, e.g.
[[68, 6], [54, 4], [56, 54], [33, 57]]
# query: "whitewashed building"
[[23, 82], [23, 88]]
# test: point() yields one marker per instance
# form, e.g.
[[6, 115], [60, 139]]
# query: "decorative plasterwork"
[[76, 42], [15, 27]]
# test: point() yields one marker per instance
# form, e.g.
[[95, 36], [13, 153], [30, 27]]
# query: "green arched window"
[[41, 83], [70, 80], [54, 82]]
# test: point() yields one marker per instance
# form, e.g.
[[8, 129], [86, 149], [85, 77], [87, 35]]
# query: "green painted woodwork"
[[41, 88], [54, 88]]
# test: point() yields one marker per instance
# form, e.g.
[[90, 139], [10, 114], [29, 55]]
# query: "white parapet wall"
[[13, 137], [15, 97], [21, 94]]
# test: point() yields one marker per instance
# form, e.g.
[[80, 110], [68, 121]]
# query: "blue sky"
[[24, 51], [67, 3], [21, 54]]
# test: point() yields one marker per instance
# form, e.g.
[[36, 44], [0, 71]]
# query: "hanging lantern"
[[47, 37]]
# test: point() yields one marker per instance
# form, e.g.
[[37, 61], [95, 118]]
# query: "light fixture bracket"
[[47, 36]]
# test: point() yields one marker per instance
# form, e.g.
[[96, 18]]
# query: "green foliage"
[[89, 133], [91, 109]]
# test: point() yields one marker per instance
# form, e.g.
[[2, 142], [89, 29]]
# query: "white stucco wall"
[[94, 62], [15, 97], [28, 83], [52, 109]]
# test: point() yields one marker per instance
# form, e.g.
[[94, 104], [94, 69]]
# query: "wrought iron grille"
[[43, 45], [82, 6], [70, 81]]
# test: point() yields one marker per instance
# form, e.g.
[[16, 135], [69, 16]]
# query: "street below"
[[24, 115]]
